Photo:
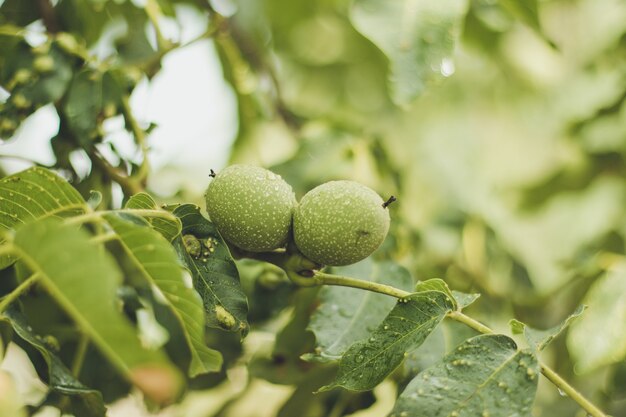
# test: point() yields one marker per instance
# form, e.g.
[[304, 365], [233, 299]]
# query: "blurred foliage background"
[[500, 126]]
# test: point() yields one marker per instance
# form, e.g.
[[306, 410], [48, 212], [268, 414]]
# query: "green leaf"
[[485, 376], [417, 36], [448, 335], [33, 194], [91, 95], [539, 339], [214, 273], [599, 337], [463, 299], [168, 228], [406, 327], [346, 315], [158, 264], [83, 279], [84, 401], [436, 284]]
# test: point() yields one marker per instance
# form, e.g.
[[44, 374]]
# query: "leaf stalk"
[[19, 290]]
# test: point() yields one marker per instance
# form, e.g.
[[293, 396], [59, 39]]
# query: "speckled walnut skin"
[[340, 223], [251, 207]]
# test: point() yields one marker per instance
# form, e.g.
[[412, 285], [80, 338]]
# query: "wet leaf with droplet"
[[484, 376], [346, 315], [214, 273], [369, 361]]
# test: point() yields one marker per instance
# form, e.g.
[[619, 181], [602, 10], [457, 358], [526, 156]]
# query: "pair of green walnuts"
[[336, 223]]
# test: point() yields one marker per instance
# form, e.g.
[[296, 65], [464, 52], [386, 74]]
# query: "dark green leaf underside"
[[215, 275], [85, 401]]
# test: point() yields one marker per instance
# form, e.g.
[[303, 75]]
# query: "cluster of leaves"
[[77, 278], [88, 280], [330, 90]]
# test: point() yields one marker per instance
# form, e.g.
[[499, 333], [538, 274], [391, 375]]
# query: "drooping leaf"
[[417, 36], [368, 362], [83, 279], [33, 194], [84, 401], [157, 262], [213, 270], [599, 337], [168, 228], [485, 376], [346, 315], [539, 339]]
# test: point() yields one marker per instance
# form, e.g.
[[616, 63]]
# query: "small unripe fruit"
[[340, 223], [43, 64], [251, 207]]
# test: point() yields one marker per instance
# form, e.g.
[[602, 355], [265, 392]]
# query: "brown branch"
[[46, 11]]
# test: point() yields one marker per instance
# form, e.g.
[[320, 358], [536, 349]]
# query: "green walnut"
[[251, 207], [340, 223]]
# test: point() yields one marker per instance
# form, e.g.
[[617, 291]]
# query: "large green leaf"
[[168, 228], [158, 264], [599, 337], [368, 362], [213, 270], [484, 376], [417, 36], [539, 339], [83, 400], [346, 315], [83, 279], [33, 194]]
